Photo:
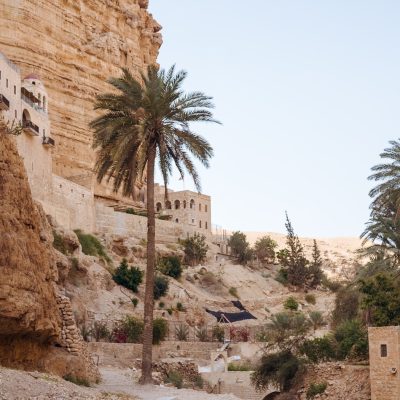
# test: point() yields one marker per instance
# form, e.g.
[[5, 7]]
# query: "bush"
[[319, 349], [218, 333], [182, 332], [161, 304], [291, 304], [180, 307], [160, 286], [240, 247], [352, 340], [333, 286], [317, 319], [282, 276], [129, 330], [91, 246], [59, 243], [277, 369], [135, 302], [233, 292], [195, 248], [160, 330], [346, 306], [175, 378], [129, 277], [170, 266], [316, 388], [198, 382], [201, 334], [76, 380], [310, 299], [100, 331], [239, 367]]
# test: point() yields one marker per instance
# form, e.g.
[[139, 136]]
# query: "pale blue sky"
[[308, 92]]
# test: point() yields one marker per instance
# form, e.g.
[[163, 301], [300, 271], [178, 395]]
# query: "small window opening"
[[383, 350]]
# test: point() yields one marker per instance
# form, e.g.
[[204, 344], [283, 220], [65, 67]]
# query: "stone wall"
[[123, 224], [384, 364], [125, 354]]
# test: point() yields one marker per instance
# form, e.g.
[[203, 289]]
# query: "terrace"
[[48, 141], [30, 128]]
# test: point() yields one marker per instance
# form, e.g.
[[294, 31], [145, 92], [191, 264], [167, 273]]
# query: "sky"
[[308, 95]]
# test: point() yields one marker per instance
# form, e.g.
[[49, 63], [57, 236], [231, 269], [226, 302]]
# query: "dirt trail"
[[121, 381]]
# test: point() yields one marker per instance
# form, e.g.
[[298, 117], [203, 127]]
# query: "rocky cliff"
[[37, 326], [28, 304], [75, 45]]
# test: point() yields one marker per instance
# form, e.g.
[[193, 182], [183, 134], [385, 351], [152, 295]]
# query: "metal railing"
[[48, 141], [30, 125], [4, 102]]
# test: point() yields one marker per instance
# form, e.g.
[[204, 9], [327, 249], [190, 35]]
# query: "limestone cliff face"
[[28, 305], [75, 45]]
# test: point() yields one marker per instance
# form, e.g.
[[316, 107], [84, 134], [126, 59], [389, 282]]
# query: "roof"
[[32, 76]]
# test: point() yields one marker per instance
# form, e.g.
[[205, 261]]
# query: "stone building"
[[384, 359], [70, 202], [24, 102], [185, 207]]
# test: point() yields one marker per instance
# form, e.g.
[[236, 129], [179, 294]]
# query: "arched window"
[[177, 220], [168, 205], [192, 204], [159, 207], [177, 204], [184, 203], [26, 116]]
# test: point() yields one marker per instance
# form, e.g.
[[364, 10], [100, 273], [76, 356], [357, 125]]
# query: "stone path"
[[121, 381]]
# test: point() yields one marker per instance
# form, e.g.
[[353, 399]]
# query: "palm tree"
[[147, 122]]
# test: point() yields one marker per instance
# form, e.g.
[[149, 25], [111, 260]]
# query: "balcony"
[[4, 103], [48, 141], [30, 128]]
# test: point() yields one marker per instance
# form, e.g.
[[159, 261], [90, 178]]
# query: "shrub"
[[265, 249], [182, 332], [218, 333], [239, 334], [170, 266], [310, 299], [195, 248], [129, 277], [277, 369], [180, 307], [135, 301], [161, 304], [59, 243], [170, 311], [352, 340], [129, 330], [160, 286], [291, 304], [319, 349], [282, 276], [91, 246], [201, 334], [346, 306], [100, 331], [175, 378], [160, 330], [239, 367], [333, 286], [316, 388], [233, 292], [76, 380], [317, 319], [198, 382]]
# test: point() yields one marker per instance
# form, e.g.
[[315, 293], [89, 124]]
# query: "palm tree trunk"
[[147, 355]]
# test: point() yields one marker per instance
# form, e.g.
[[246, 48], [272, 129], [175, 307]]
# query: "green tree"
[[240, 247], [264, 249], [315, 273], [170, 266], [147, 121], [129, 277], [293, 259], [381, 299], [346, 305], [195, 248]]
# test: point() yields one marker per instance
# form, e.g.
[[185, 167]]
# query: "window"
[[192, 204], [15, 89], [15, 114], [0, 74], [6, 83], [168, 205], [383, 350], [159, 207], [177, 204], [192, 220], [199, 224], [206, 225], [177, 221], [184, 203], [199, 207]]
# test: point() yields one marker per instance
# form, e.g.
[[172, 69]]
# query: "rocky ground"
[[117, 384]]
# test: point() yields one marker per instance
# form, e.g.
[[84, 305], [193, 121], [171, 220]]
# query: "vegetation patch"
[[91, 246], [128, 277]]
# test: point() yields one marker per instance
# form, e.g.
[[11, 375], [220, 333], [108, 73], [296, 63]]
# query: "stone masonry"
[[384, 356]]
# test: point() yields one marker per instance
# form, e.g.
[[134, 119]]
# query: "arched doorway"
[[159, 207]]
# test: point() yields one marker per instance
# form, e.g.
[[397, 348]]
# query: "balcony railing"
[[30, 128], [48, 141], [4, 103]]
